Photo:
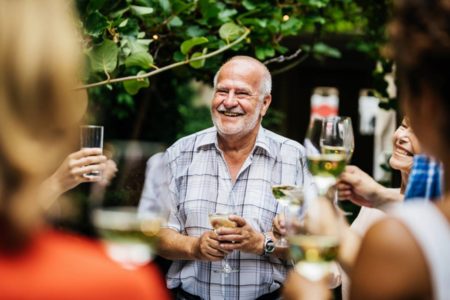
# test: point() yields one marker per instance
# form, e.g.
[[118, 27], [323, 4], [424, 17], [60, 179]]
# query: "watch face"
[[270, 246]]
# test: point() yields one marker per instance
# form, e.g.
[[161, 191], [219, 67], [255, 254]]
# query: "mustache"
[[222, 109]]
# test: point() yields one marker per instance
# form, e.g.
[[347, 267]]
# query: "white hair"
[[266, 83]]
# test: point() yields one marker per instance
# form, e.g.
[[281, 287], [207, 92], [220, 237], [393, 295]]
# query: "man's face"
[[237, 107]]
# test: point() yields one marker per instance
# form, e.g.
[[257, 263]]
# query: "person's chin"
[[400, 164]]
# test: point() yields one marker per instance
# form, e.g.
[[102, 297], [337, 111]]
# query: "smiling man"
[[230, 168]]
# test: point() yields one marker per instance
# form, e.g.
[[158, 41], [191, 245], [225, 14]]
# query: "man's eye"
[[243, 94]]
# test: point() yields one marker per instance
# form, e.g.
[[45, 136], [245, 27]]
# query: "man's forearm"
[[173, 245]]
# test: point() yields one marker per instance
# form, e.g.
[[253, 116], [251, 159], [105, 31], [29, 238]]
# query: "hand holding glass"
[[91, 136], [290, 198], [218, 220]]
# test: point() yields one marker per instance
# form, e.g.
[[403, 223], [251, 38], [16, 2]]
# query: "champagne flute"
[[290, 198], [130, 238], [217, 221]]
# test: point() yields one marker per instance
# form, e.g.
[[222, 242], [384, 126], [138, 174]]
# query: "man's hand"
[[243, 237], [207, 247], [279, 226]]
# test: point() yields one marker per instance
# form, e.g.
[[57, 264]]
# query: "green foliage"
[[186, 46], [104, 57], [125, 37]]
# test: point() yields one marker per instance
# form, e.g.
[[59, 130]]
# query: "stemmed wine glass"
[[290, 198], [337, 138], [130, 238], [325, 152], [218, 220], [314, 237]]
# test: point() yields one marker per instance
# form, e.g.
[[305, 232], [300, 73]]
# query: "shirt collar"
[[209, 138]]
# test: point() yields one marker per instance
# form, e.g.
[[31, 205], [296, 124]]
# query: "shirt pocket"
[[260, 207]]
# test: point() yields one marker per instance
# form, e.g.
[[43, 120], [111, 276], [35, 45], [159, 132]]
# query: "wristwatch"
[[269, 245]]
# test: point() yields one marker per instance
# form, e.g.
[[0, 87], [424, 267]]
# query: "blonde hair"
[[39, 67]]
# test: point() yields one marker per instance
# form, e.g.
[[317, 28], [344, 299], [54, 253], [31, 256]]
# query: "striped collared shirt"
[[201, 184]]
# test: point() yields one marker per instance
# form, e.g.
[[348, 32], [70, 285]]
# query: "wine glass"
[[130, 238], [314, 239], [337, 138], [217, 221], [290, 198], [325, 153]]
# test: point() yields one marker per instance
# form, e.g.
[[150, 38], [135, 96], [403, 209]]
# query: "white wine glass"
[[130, 238], [290, 198], [325, 154], [218, 220], [337, 138], [314, 239]]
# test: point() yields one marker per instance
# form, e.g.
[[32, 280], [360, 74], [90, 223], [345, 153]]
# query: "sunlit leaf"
[[198, 63], [249, 5], [186, 46], [175, 22], [165, 5], [230, 31], [104, 57], [139, 59], [225, 15], [324, 49], [133, 86], [141, 10], [195, 31]]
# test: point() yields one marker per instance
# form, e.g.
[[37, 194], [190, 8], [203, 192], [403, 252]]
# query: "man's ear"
[[266, 103]]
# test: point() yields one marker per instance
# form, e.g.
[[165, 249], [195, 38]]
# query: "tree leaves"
[[324, 49], [95, 24], [230, 31], [133, 86], [186, 46], [104, 57], [141, 10], [197, 64], [139, 59]]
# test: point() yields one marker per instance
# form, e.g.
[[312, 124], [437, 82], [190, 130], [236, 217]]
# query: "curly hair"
[[420, 45]]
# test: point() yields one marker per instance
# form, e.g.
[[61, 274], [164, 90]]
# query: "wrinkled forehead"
[[240, 74]]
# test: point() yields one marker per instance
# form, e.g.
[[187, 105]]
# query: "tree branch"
[[282, 58], [165, 68]]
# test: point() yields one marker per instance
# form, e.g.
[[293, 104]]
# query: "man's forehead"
[[239, 74]]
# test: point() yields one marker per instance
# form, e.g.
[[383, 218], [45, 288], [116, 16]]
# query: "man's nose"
[[230, 100]]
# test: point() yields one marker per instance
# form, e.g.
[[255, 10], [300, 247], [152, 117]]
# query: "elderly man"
[[230, 168]]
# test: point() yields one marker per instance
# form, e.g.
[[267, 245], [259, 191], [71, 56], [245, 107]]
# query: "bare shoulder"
[[390, 264]]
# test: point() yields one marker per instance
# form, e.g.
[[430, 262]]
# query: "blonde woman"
[[39, 63]]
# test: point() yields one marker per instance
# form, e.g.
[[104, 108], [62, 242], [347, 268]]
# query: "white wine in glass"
[[314, 240], [290, 197], [312, 254], [337, 138], [130, 239], [217, 221]]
